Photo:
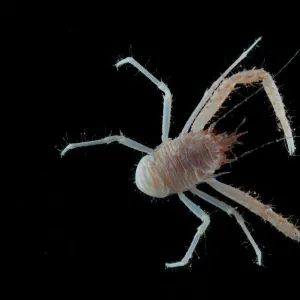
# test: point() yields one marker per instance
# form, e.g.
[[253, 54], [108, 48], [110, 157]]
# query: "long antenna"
[[261, 146]]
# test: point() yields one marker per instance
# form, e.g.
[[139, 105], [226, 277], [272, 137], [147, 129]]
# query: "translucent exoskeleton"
[[178, 165]]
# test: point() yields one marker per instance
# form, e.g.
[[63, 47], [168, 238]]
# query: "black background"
[[8, 8], [95, 227]]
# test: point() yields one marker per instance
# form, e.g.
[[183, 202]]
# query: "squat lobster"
[[178, 165]]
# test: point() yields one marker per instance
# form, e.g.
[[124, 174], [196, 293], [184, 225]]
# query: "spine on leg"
[[264, 211]]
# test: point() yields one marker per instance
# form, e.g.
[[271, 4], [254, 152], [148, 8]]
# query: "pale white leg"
[[114, 138], [247, 77], [207, 95], [195, 209], [264, 211], [231, 211], [162, 86]]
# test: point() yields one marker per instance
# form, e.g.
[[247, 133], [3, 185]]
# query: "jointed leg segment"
[[264, 211], [231, 211], [162, 86], [207, 95], [246, 77], [201, 229], [206, 109], [114, 138]]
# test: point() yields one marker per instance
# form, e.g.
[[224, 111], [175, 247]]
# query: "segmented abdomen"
[[181, 163]]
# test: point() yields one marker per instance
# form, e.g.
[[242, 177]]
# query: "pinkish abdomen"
[[177, 165]]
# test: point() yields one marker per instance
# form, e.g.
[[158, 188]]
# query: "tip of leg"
[[259, 263], [174, 265], [63, 152], [259, 259], [123, 61], [253, 45], [292, 149]]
